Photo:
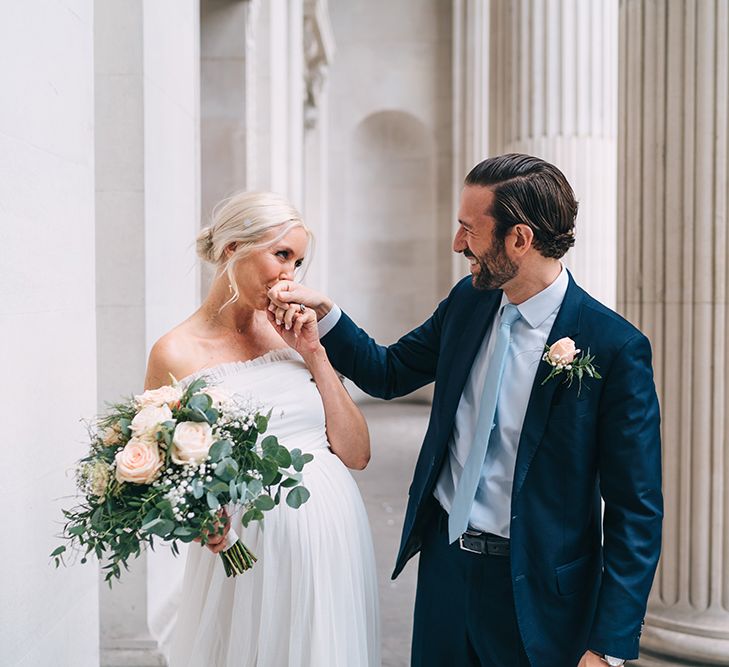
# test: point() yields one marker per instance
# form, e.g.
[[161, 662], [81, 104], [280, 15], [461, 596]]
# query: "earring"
[[230, 288]]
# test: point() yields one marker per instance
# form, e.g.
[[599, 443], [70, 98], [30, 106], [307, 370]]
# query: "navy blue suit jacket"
[[572, 590]]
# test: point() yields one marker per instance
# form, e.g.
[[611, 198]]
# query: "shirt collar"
[[539, 307]]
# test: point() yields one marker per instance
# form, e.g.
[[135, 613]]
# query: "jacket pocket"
[[572, 576]]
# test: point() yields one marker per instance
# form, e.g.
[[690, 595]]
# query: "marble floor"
[[396, 431]]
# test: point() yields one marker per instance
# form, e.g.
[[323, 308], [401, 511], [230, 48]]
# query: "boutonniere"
[[562, 357]]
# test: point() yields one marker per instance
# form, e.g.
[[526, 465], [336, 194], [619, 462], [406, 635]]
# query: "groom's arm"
[[629, 450], [385, 371]]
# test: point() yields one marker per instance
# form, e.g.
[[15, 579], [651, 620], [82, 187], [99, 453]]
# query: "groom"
[[517, 564]]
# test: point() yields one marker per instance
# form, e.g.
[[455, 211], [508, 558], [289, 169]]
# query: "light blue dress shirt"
[[491, 510]]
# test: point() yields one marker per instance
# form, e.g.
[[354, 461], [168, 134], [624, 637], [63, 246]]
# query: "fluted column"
[[553, 86], [470, 100], [673, 169]]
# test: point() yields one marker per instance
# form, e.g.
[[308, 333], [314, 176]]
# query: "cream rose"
[[148, 419], [191, 442], [139, 462], [563, 352], [219, 397], [156, 398]]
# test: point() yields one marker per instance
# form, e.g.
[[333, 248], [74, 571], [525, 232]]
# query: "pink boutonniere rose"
[[562, 357]]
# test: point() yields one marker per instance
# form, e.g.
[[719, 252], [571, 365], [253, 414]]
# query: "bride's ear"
[[230, 249]]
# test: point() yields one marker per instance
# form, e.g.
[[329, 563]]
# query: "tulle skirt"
[[309, 601]]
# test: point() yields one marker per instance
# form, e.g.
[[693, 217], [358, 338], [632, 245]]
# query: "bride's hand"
[[298, 329], [217, 543], [287, 293]]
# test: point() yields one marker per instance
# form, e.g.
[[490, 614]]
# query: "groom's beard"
[[495, 267]]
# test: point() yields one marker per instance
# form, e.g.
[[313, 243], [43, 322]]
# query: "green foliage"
[[250, 472]]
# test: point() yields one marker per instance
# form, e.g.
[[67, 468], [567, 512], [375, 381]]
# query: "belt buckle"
[[462, 544]]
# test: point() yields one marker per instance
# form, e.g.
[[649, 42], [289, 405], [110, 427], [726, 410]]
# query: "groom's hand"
[[591, 659], [287, 292]]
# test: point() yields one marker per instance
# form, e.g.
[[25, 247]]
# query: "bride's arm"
[[346, 428], [166, 358]]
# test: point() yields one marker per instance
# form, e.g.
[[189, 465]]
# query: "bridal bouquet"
[[166, 464]]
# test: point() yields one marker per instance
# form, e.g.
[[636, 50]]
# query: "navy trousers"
[[464, 606]]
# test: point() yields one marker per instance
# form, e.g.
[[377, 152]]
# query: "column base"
[[650, 660], [132, 653]]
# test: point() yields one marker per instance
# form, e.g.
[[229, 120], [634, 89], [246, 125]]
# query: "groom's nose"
[[459, 240]]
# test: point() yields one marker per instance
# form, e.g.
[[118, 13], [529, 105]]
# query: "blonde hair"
[[245, 220]]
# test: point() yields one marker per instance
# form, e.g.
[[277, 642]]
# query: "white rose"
[[220, 398], [167, 395], [147, 420], [139, 462], [191, 442]]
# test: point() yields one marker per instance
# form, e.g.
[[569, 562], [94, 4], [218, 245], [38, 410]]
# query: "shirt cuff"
[[329, 321]]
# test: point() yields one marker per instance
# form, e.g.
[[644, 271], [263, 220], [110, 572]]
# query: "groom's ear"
[[522, 237]]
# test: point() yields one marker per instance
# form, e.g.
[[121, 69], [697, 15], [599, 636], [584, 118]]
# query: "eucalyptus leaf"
[[220, 450], [264, 503], [213, 502], [160, 527], [226, 470], [200, 402], [283, 457], [261, 423], [269, 445], [297, 497]]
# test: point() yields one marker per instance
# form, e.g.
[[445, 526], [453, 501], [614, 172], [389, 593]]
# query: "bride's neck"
[[236, 316]]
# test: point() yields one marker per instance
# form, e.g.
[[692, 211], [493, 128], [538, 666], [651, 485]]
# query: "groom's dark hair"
[[533, 192]]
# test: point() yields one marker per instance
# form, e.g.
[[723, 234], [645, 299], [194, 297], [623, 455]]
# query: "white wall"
[[390, 206], [47, 319]]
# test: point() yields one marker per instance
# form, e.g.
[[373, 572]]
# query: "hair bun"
[[205, 246]]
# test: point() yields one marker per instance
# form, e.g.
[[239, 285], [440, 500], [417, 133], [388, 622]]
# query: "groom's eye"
[[298, 263]]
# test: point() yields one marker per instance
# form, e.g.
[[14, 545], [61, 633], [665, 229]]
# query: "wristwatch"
[[613, 662]]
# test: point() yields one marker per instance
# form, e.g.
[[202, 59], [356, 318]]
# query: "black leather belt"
[[484, 543]]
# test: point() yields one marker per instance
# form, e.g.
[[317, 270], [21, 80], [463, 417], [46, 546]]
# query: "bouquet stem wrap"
[[237, 557]]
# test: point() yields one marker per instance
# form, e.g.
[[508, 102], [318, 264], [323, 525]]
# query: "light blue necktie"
[[468, 483]]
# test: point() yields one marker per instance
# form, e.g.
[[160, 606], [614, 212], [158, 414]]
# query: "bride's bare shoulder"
[[174, 354]]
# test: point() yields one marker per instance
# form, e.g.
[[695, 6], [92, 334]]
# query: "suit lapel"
[[464, 352], [540, 399]]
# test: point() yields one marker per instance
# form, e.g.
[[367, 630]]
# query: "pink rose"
[[562, 352], [139, 462]]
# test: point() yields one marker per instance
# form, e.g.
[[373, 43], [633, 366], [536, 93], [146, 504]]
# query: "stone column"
[[470, 101], [47, 319], [318, 53], [673, 252], [277, 55], [553, 90], [226, 104], [147, 209], [120, 286]]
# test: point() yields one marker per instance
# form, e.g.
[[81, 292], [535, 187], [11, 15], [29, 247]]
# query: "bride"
[[311, 599]]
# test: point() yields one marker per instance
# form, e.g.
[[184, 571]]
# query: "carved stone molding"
[[318, 52]]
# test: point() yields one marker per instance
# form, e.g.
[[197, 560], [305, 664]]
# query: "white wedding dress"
[[311, 599]]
